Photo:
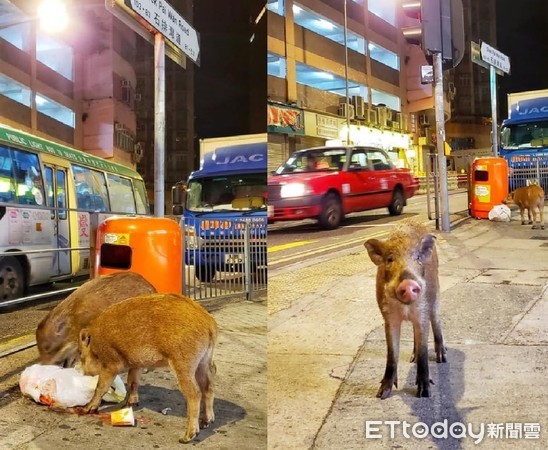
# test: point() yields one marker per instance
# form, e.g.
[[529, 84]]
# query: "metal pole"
[[440, 131], [346, 75], [493, 86], [159, 123]]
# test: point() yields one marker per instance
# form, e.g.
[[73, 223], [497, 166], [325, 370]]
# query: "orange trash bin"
[[150, 246], [489, 186]]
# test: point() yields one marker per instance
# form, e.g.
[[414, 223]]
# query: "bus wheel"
[[12, 279], [205, 274]]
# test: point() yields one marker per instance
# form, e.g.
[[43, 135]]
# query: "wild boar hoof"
[[386, 388], [412, 359], [204, 423], [423, 389], [542, 227], [187, 438], [523, 222], [534, 227], [530, 222]]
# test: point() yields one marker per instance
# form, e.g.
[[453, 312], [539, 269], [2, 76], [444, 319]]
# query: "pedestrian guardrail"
[[526, 173]]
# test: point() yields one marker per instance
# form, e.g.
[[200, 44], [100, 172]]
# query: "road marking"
[[311, 252], [277, 248]]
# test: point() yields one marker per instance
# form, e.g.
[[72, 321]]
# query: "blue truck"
[[524, 138], [225, 199]]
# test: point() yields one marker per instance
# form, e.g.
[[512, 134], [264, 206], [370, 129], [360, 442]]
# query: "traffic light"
[[440, 28]]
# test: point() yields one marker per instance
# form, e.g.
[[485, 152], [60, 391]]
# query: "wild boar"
[[151, 331], [529, 198], [57, 334], [408, 289]]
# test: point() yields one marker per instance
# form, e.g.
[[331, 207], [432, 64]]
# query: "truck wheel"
[[396, 205], [332, 214], [205, 274], [12, 279]]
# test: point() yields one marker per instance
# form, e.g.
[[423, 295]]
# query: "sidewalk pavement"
[[327, 351], [240, 398]]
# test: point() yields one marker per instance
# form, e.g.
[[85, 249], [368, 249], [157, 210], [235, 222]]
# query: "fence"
[[523, 174], [224, 257]]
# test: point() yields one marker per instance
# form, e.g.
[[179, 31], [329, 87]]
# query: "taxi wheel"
[[12, 279], [332, 214], [397, 203]]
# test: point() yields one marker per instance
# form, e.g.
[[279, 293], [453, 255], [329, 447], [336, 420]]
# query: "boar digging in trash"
[[151, 331], [408, 289], [57, 335]]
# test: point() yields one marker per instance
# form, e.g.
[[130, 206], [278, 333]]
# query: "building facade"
[[88, 86]]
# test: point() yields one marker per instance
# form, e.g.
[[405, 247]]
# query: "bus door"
[[56, 187]]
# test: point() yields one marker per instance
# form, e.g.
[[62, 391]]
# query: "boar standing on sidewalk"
[[57, 335], [150, 331], [529, 198], [408, 289]]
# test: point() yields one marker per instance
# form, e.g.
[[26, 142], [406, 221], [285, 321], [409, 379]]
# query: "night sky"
[[522, 34], [230, 84]]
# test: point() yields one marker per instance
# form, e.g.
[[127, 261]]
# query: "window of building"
[[276, 6], [55, 54], [276, 65], [14, 90], [380, 97], [384, 56], [326, 81], [55, 110], [18, 35], [324, 27], [383, 9]]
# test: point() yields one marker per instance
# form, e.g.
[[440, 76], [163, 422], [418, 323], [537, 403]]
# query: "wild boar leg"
[[133, 387], [529, 215], [204, 376], [191, 391], [439, 343], [392, 331], [423, 376], [105, 381]]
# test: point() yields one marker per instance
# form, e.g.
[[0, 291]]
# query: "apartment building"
[[314, 61], [90, 85]]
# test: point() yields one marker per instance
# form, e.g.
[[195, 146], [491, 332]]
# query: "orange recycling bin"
[[489, 186], [150, 246]]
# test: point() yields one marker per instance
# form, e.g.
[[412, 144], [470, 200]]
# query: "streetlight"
[[346, 75], [52, 15]]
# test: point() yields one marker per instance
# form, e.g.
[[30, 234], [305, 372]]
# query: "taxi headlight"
[[294, 190]]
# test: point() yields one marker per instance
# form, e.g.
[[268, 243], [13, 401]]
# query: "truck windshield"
[[245, 192], [525, 135]]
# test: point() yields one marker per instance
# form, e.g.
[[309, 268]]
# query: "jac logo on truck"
[[241, 159], [527, 111]]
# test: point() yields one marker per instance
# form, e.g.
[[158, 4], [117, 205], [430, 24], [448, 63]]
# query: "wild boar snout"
[[408, 291]]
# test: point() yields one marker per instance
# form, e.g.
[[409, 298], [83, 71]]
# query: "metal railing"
[[224, 257], [524, 174]]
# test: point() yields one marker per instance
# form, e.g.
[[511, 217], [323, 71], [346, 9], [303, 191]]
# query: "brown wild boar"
[[408, 289], [529, 198], [57, 334], [151, 331]]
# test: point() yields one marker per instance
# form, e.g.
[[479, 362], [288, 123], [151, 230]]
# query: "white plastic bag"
[[64, 388], [500, 213]]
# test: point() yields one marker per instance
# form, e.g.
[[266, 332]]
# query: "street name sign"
[[497, 59], [167, 21]]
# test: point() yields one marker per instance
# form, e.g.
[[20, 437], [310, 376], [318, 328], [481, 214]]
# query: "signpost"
[[498, 64], [158, 18]]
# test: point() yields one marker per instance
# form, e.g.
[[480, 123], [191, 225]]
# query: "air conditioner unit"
[[138, 97], [397, 123], [346, 110], [359, 106], [138, 152], [371, 117], [383, 116], [126, 83]]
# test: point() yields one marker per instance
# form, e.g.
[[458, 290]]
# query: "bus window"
[[48, 172], [30, 189], [140, 197], [120, 194], [7, 186], [91, 189]]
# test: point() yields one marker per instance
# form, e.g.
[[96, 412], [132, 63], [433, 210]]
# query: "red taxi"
[[325, 183]]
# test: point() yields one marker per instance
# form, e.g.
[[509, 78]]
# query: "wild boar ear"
[[375, 249], [85, 337], [427, 247], [61, 327]]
